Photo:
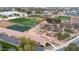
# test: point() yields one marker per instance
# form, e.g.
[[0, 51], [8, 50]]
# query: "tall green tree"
[[56, 20], [38, 12], [26, 44], [49, 20], [63, 35]]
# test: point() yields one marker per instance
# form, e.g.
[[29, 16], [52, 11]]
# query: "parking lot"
[[8, 39]]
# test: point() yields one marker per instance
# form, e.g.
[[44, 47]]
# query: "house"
[[72, 23], [13, 13]]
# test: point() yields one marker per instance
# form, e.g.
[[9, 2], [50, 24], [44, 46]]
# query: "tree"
[[29, 11], [49, 20], [71, 47], [63, 35], [38, 12], [56, 20], [26, 44], [53, 20], [19, 9]]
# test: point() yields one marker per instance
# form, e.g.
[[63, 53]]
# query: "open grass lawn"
[[64, 17], [23, 23], [6, 46], [24, 20]]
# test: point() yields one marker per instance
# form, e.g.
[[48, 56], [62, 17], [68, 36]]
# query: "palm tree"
[[26, 44]]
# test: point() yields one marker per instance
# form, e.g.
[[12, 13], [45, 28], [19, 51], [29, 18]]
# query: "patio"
[[4, 23]]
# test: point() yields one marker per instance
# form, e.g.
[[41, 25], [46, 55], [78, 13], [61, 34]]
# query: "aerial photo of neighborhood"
[[39, 28]]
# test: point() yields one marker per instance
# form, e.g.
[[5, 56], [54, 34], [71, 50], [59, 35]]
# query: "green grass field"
[[23, 23], [5, 46], [64, 17]]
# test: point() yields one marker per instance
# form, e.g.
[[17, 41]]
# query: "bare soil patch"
[[4, 23]]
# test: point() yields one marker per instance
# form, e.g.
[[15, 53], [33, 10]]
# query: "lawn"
[[4, 46], [64, 17], [24, 23]]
